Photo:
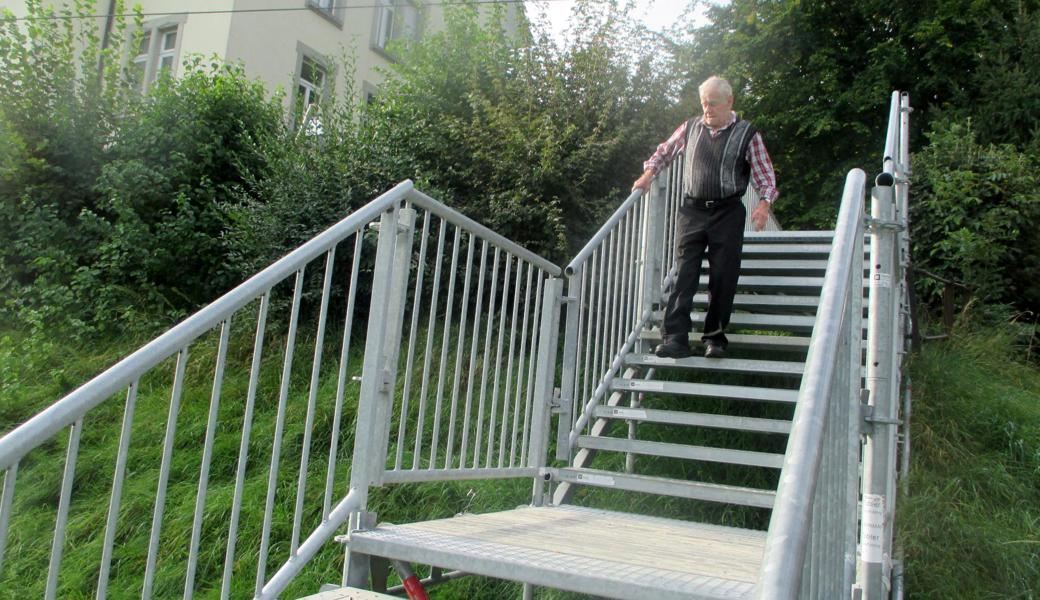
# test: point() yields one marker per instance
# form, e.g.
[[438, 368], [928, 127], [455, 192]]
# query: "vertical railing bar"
[[6, 500], [442, 367], [62, 519], [279, 429], [477, 439], [614, 270], [164, 475], [430, 328], [459, 351], [593, 315], [492, 423], [207, 457], [517, 403], [312, 401], [634, 257], [341, 378], [243, 449], [604, 301], [621, 272], [509, 367], [581, 366], [117, 491], [535, 327], [474, 345], [626, 271], [402, 424]]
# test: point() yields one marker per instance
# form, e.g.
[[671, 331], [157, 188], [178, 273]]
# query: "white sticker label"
[[628, 413], [648, 386], [872, 529], [884, 280], [654, 359], [595, 479]]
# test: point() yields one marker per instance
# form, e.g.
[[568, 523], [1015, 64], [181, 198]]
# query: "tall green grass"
[[970, 525]]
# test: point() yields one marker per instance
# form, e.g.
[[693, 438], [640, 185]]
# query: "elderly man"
[[722, 154]]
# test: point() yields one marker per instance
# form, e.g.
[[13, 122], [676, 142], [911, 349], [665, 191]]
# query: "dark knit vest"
[[717, 167]]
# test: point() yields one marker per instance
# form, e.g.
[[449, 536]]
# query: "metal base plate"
[[598, 552]]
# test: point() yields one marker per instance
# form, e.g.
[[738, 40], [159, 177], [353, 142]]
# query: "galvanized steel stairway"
[[620, 555]]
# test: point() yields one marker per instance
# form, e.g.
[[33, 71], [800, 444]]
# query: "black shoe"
[[713, 349], [673, 349]]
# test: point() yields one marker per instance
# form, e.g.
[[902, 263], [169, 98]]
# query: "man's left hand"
[[760, 216]]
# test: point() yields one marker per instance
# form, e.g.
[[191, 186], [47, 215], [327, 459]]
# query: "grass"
[[970, 526]]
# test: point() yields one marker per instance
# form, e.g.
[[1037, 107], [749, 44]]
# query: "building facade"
[[299, 46]]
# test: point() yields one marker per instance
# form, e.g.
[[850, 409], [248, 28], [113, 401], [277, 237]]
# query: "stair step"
[[785, 251], [750, 341], [746, 458], [694, 490], [804, 285], [779, 266], [675, 417], [707, 390], [766, 302], [583, 550], [788, 237], [725, 365], [793, 323]]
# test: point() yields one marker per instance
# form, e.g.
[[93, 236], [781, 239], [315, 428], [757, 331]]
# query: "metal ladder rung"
[[724, 365], [679, 488], [709, 390], [665, 449], [692, 419]]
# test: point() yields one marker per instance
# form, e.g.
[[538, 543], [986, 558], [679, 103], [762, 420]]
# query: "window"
[[395, 20], [155, 53], [328, 9], [311, 82]]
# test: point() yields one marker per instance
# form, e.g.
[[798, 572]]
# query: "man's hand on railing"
[[760, 216], [643, 183]]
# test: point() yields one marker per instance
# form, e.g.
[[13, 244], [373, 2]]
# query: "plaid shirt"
[[763, 178]]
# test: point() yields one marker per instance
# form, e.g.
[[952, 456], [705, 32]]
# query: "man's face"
[[717, 108]]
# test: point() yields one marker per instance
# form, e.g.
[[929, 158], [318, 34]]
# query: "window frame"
[[305, 54], [331, 13], [397, 10], [156, 33]]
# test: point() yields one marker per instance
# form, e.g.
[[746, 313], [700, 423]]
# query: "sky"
[[657, 15]]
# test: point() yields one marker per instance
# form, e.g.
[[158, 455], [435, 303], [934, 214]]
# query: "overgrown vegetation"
[[970, 525]]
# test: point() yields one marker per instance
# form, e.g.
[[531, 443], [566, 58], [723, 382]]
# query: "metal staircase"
[[484, 361]]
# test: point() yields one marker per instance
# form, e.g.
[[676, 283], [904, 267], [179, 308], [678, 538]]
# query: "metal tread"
[[790, 250], [597, 552], [747, 458], [708, 390], [774, 283], [693, 419], [694, 490], [723, 365], [770, 322], [766, 302], [751, 341]]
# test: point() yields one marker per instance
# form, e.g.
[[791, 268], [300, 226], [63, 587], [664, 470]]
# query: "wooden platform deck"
[[604, 553]]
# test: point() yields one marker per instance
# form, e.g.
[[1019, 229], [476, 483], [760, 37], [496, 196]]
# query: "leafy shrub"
[[973, 212]]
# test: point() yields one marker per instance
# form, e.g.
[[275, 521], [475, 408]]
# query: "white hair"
[[718, 84]]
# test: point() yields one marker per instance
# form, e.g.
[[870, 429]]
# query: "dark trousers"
[[719, 233]]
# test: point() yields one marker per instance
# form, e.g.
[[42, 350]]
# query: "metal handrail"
[[77, 403], [601, 235], [789, 526]]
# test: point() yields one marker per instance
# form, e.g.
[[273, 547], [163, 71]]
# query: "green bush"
[[973, 210]]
